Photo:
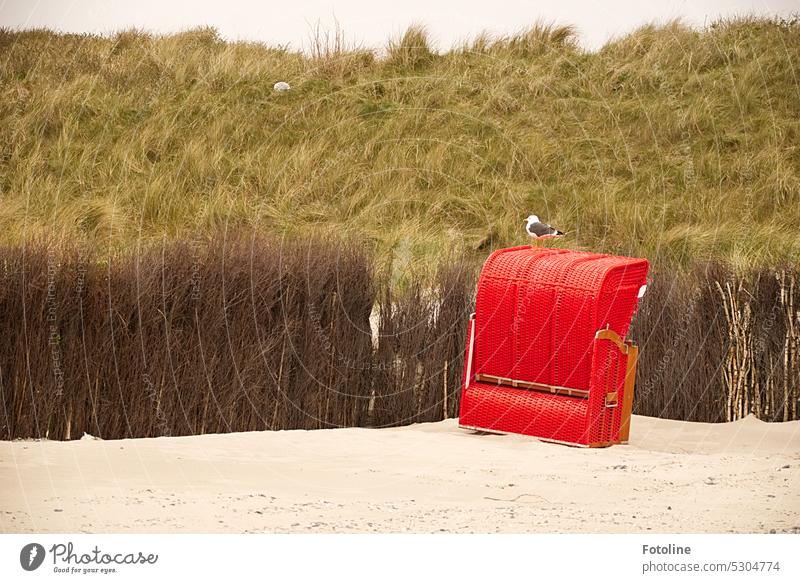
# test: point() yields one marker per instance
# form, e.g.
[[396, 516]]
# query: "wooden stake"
[[444, 391]]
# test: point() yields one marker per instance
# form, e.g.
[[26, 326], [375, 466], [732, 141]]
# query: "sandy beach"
[[673, 477]]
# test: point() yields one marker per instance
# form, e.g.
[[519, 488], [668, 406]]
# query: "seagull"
[[281, 86], [538, 230]]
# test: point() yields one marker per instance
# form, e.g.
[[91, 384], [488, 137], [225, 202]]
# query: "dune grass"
[[671, 143]]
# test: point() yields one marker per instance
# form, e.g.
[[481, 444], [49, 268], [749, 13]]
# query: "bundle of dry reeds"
[[719, 345], [237, 334]]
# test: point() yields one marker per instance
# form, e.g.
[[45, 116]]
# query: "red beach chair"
[[546, 350]]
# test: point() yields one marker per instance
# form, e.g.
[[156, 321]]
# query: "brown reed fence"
[[718, 346], [240, 334], [245, 333]]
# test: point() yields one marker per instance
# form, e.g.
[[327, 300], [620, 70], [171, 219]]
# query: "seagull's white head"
[[532, 219]]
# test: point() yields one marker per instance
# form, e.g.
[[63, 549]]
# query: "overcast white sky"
[[371, 23]]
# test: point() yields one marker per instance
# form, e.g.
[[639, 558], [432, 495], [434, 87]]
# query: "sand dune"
[[673, 477]]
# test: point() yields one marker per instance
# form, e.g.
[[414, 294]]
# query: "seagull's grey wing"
[[541, 229]]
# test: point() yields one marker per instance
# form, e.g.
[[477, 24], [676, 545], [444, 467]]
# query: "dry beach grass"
[[662, 144]]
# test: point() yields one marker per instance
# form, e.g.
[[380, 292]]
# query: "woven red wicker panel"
[[537, 313], [497, 408]]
